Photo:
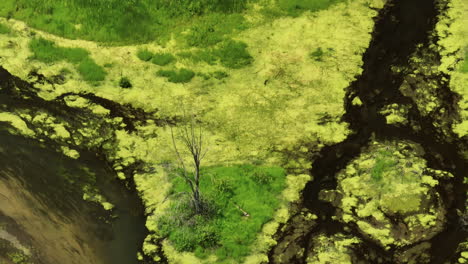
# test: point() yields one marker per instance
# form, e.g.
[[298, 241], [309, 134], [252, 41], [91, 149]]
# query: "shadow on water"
[[43, 206]]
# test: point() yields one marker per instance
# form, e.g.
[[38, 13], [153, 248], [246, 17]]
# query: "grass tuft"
[[162, 59], [90, 71], [233, 54], [181, 76], [144, 54]]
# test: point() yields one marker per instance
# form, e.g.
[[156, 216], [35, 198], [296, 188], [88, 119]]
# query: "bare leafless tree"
[[192, 138]]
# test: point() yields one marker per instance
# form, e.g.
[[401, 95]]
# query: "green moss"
[[233, 54], [144, 54], [181, 76], [162, 58], [225, 230]]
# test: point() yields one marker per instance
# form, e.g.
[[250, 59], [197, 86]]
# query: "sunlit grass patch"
[[229, 192]]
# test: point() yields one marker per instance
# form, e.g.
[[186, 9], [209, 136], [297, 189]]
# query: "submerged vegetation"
[[239, 200]]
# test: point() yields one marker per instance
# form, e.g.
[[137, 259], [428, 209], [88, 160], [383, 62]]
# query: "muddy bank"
[[402, 28]]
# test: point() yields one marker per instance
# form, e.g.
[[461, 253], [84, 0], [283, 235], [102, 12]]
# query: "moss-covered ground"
[[255, 88]]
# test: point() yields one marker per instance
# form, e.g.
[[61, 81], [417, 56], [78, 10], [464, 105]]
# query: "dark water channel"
[[400, 27], [43, 210]]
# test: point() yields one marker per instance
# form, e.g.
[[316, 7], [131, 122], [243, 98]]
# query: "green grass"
[[114, 21], [233, 54], [383, 163], [162, 59], [181, 76], [4, 29], [224, 230], [47, 51]]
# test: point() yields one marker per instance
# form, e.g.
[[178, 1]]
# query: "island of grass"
[[238, 201]]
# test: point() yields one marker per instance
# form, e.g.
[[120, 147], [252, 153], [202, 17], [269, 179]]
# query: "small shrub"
[[234, 54], [162, 59], [124, 82], [182, 76], [144, 54], [4, 29], [90, 71]]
